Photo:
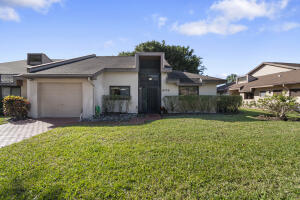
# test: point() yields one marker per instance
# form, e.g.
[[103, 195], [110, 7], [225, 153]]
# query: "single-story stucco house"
[[74, 87], [267, 79]]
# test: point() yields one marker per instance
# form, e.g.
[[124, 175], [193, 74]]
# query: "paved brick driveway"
[[15, 132]]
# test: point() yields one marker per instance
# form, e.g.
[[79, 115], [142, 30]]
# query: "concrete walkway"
[[13, 132]]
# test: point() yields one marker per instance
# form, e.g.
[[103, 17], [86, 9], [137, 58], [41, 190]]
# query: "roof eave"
[[56, 75]]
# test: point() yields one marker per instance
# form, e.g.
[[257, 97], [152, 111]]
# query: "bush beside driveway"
[[209, 156], [3, 120]]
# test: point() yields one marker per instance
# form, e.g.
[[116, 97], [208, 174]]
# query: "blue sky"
[[232, 36]]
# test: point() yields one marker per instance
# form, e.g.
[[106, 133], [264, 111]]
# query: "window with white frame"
[[262, 93], [119, 90], [188, 90]]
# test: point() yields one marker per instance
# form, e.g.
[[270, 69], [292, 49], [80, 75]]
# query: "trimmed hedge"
[[202, 104], [115, 103], [16, 107], [190, 104], [229, 104]]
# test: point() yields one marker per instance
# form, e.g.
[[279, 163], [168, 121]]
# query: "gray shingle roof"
[[90, 66], [289, 77], [16, 67], [186, 78]]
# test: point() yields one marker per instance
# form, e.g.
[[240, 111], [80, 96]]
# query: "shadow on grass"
[[242, 116], [16, 188]]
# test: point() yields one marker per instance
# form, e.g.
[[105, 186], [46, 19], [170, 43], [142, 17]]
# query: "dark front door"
[[149, 94]]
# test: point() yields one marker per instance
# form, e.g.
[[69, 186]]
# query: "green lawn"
[[3, 120], [194, 157]]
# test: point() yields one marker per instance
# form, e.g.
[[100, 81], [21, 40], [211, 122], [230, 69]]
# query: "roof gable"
[[276, 65]]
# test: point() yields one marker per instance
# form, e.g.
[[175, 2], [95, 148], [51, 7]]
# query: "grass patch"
[[182, 157], [291, 116], [3, 120]]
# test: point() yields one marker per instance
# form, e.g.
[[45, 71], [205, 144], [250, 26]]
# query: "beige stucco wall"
[[87, 94], [268, 69], [167, 89], [208, 89], [171, 89], [24, 89], [107, 79], [92, 91]]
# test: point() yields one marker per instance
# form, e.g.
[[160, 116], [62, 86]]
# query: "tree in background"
[[231, 78], [179, 57]]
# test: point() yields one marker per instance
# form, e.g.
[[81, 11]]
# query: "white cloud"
[[108, 44], [159, 20], [162, 21], [9, 14], [248, 9], [202, 27], [227, 15], [289, 26], [34, 4], [286, 26]]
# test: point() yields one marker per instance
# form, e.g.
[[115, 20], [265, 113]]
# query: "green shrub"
[[202, 104], [16, 107], [190, 104], [250, 104], [229, 104], [115, 103], [170, 103], [279, 105]]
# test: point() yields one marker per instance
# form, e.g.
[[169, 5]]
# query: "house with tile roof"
[[74, 87], [268, 78]]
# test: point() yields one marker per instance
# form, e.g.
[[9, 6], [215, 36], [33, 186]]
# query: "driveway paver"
[[17, 131]]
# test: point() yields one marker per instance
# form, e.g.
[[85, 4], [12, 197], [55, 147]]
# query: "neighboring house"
[[269, 78], [73, 87], [224, 88]]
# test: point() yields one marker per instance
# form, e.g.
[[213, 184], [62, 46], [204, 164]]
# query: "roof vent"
[[37, 59], [279, 75]]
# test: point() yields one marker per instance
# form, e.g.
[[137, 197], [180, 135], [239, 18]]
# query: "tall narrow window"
[[120, 90], [15, 91], [188, 90], [5, 91]]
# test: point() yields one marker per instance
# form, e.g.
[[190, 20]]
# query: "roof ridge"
[[58, 63], [113, 56], [284, 63], [276, 64]]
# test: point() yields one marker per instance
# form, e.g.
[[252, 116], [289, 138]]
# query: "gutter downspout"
[[92, 84]]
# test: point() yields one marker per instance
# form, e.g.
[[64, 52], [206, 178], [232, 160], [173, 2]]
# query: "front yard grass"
[[183, 157]]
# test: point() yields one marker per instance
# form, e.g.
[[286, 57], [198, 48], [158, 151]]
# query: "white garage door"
[[60, 99]]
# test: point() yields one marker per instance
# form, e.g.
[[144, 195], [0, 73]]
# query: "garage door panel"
[[60, 99]]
